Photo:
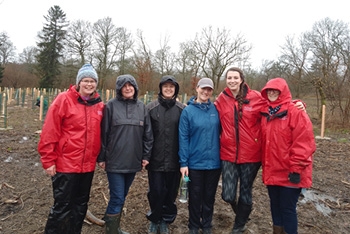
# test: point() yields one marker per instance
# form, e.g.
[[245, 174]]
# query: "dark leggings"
[[233, 173]]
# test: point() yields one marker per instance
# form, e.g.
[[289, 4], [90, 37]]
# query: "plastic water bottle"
[[184, 189]]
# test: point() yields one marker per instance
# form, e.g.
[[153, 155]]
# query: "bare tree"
[[294, 55], [7, 49], [188, 65], [28, 55], [79, 40], [106, 34], [164, 59], [124, 45], [218, 50], [329, 43], [142, 61]]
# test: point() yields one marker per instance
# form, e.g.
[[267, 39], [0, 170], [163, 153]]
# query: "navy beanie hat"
[[87, 71]]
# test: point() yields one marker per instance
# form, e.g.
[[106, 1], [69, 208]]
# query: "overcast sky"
[[264, 23]]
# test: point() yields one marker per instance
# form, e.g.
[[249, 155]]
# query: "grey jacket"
[[126, 131]]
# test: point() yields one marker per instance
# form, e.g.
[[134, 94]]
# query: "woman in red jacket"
[[69, 145], [288, 146], [240, 143]]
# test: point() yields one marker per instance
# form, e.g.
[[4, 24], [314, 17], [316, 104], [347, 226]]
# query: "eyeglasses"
[[272, 91], [89, 81]]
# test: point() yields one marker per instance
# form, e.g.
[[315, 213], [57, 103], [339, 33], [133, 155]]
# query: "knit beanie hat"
[[86, 71]]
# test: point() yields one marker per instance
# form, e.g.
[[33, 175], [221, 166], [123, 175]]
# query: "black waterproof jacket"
[[126, 132], [165, 115]]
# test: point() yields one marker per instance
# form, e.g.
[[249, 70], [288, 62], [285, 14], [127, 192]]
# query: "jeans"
[[119, 184], [283, 204], [201, 190]]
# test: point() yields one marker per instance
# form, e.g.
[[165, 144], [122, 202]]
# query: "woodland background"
[[316, 63]]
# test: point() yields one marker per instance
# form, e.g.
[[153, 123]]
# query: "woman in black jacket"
[[126, 146], [163, 168]]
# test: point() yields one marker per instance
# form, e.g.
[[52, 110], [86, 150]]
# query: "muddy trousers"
[[201, 191], [162, 193], [283, 204], [71, 196], [244, 175]]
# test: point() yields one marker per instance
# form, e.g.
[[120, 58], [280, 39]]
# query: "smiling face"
[[87, 86], [272, 94], [168, 90], [233, 81], [204, 94], [128, 91]]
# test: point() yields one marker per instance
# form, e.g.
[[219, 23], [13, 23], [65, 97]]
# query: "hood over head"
[[170, 79], [121, 81], [281, 85]]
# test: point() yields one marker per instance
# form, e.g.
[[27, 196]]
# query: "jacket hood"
[[281, 85], [121, 81], [171, 79], [204, 106]]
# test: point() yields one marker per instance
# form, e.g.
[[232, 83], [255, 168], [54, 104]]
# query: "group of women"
[[232, 137]]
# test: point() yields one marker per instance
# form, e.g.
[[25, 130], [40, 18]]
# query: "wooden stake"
[[41, 107], [323, 120]]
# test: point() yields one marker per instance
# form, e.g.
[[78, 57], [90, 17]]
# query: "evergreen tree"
[[50, 45]]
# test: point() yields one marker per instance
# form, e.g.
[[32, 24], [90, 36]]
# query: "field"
[[26, 194]]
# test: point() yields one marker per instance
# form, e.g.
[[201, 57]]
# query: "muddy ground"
[[26, 194]]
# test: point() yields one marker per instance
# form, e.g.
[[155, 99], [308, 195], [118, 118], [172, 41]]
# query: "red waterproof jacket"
[[70, 136], [240, 140], [288, 140]]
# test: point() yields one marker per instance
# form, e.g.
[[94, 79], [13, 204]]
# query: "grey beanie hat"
[[86, 71]]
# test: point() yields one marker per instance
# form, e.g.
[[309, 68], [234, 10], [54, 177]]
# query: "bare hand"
[[184, 171], [300, 106], [145, 163], [51, 171], [102, 165]]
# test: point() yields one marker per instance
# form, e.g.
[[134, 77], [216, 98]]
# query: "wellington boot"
[[242, 216], [112, 224], [120, 231]]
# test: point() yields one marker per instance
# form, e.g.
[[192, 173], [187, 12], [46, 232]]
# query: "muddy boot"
[[207, 231], [242, 215], [153, 228], [111, 223], [163, 228], [239, 230], [193, 231], [120, 231], [278, 230]]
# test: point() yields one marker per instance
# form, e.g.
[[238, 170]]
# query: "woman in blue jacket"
[[199, 153]]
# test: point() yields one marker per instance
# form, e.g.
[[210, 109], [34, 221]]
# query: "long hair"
[[240, 96]]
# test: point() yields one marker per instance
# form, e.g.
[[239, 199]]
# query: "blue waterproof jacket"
[[199, 140]]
